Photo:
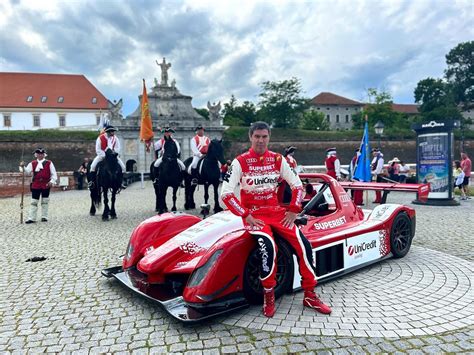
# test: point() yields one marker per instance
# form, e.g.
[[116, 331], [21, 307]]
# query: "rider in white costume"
[[160, 147]]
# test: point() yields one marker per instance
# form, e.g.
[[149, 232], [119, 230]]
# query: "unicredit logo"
[[249, 182], [359, 248], [264, 180]]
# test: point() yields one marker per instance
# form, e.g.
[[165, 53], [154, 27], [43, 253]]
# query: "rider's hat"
[[110, 128], [375, 150], [167, 129], [39, 151], [331, 150], [198, 127], [290, 149]]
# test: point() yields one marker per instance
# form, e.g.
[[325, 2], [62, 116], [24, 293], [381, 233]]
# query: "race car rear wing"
[[422, 190]]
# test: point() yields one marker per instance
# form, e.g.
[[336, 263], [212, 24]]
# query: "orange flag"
[[146, 129]]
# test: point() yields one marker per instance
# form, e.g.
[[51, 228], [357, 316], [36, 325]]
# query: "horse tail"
[[95, 195]]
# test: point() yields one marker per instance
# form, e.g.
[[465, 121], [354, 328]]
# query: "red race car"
[[197, 268]]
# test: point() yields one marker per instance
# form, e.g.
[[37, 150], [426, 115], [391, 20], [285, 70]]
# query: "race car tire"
[[253, 291], [401, 235]]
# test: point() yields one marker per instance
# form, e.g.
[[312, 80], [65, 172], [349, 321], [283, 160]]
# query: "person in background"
[[357, 195], [394, 169], [333, 165], [44, 176], [404, 171], [458, 176], [289, 156], [82, 173], [376, 169], [199, 145], [466, 166]]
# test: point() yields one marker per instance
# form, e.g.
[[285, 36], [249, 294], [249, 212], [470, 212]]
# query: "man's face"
[[40, 156], [200, 132], [259, 140], [111, 133], [463, 156], [167, 134]]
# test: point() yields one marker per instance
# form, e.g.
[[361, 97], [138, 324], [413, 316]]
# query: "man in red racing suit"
[[258, 172]]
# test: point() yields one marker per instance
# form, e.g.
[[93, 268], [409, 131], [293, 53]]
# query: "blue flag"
[[362, 169]]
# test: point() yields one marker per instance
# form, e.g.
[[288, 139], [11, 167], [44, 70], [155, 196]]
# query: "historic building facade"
[[30, 101]]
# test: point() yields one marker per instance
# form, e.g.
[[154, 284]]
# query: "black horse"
[[109, 177], [208, 174], [168, 174]]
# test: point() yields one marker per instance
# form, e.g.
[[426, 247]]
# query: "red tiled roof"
[[405, 108], [76, 90], [328, 98]]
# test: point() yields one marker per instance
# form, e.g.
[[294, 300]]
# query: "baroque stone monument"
[[168, 106]]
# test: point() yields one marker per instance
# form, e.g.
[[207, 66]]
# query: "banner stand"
[[434, 161]]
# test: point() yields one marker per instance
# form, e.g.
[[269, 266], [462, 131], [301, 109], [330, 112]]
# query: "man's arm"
[[177, 146], [54, 175], [118, 147], [230, 183], [337, 167], [194, 148], [98, 147]]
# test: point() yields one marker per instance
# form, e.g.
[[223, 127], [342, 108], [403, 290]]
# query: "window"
[[347, 108], [7, 121], [44, 99], [317, 108], [97, 119], [327, 118], [347, 118], [29, 99], [327, 108], [36, 120], [62, 120], [337, 118], [94, 100], [60, 99]]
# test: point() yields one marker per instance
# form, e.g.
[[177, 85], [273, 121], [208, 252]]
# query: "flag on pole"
[[146, 129], [362, 169]]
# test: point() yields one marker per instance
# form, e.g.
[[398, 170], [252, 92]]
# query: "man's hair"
[[258, 125]]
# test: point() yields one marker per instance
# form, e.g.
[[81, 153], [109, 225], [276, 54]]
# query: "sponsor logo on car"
[[360, 248], [330, 224]]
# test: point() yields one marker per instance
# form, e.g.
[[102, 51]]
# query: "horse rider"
[[199, 146], [106, 140], [44, 176], [257, 173], [333, 165], [160, 147]]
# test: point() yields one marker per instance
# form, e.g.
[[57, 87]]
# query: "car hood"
[[182, 252]]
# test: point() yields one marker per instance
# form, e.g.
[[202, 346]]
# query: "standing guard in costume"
[[160, 147], [44, 176], [376, 169], [289, 152], [257, 173], [199, 145], [333, 165], [106, 140], [357, 195]]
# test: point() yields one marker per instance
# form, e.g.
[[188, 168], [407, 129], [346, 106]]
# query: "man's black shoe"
[[44, 219], [29, 221]]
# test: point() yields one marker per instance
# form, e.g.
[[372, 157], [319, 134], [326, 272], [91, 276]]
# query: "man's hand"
[[22, 164], [289, 220], [254, 223]]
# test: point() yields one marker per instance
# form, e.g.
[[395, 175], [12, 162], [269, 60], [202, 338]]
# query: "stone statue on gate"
[[214, 110], [164, 71]]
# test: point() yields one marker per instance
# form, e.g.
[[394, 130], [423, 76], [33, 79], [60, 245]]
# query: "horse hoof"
[[113, 217], [92, 213], [174, 209], [105, 218]]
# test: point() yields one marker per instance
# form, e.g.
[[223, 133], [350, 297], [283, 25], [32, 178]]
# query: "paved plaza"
[[422, 303]]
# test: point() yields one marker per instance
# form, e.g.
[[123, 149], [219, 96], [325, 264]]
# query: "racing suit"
[[258, 176]]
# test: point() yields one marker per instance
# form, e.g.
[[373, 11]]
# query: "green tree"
[[460, 73], [235, 115], [314, 121], [281, 103], [203, 112], [380, 108], [437, 100]]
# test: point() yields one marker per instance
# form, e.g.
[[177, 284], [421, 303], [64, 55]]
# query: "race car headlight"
[[200, 273]]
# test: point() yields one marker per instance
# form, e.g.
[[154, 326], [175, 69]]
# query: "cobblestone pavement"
[[419, 304]]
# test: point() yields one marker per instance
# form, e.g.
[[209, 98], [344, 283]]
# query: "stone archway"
[[131, 166]]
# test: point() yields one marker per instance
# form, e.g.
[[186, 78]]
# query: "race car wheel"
[[253, 290], [401, 235]]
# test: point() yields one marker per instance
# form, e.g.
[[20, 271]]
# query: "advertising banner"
[[434, 163]]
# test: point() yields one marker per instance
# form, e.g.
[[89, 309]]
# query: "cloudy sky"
[[219, 47]]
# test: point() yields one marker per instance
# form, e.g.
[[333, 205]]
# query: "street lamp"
[[379, 126]]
